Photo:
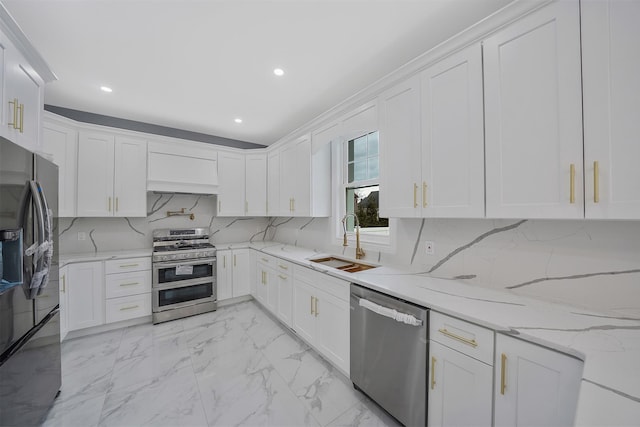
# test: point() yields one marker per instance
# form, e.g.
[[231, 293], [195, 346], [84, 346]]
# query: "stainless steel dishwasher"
[[389, 350]]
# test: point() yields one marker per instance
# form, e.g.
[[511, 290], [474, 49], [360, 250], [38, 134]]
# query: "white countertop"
[[65, 259], [608, 345]]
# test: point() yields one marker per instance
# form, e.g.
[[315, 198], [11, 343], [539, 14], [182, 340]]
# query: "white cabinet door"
[[95, 174], [130, 177], [231, 175], [453, 137], [304, 320], [332, 333], [24, 94], [295, 178], [285, 295], [287, 177], [400, 166], [610, 69], [533, 116], [224, 275], [85, 295], [256, 184], [64, 303], [534, 386], [240, 262], [262, 293], [273, 184], [271, 281], [460, 389], [61, 143]]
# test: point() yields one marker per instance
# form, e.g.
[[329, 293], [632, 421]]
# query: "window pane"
[[360, 148], [373, 144], [350, 149], [365, 202], [360, 170], [373, 168], [350, 166]]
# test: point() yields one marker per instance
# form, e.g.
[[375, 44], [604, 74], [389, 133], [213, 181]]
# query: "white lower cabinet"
[[267, 291], [64, 303], [284, 285], [127, 289], [84, 284], [321, 314], [534, 386], [461, 372], [233, 273]]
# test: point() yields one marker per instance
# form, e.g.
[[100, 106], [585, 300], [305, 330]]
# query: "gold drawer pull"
[[282, 277], [315, 305], [503, 369], [433, 373], [284, 267], [131, 307], [463, 340], [264, 260], [596, 182], [64, 283], [128, 265], [130, 284], [572, 183], [415, 195]]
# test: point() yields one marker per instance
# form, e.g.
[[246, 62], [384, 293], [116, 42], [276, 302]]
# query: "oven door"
[[183, 294], [181, 271]]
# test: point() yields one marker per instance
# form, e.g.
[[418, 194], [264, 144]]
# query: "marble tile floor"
[[234, 366]]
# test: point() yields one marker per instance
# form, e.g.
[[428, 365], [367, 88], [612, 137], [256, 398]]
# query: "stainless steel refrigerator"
[[30, 372]]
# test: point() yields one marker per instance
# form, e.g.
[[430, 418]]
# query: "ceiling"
[[199, 65]]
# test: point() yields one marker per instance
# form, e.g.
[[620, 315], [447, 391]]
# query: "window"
[[361, 186]]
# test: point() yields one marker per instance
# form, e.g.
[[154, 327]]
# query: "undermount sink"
[[346, 265]]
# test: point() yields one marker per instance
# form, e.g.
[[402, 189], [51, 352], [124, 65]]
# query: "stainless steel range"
[[184, 273]]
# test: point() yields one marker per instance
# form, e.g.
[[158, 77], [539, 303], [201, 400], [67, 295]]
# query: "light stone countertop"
[[66, 259]]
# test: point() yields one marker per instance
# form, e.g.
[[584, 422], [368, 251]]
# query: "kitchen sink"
[[343, 264]]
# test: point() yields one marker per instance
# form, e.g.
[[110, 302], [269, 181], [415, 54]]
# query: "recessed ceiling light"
[[238, 120], [106, 89], [278, 72]]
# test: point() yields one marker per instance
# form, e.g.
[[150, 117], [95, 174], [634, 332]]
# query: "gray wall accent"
[[115, 122]]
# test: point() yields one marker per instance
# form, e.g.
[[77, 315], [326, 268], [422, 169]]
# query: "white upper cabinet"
[[453, 137], [273, 183], [256, 184], [400, 147], [295, 178], [111, 175], [61, 142], [610, 70], [231, 173], [533, 119]]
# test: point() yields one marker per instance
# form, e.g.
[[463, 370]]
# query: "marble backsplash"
[[589, 264], [114, 234]]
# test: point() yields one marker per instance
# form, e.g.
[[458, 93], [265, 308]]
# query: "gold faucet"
[[359, 250]]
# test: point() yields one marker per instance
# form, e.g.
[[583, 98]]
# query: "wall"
[[589, 264], [113, 234]]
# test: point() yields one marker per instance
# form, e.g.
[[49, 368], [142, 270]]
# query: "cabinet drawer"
[[130, 307], [125, 284], [465, 337], [130, 264], [283, 267], [267, 259], [332, 285]]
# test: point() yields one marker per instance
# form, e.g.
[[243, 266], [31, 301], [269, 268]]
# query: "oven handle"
[[184, 283], [164, 264], [392, 313]]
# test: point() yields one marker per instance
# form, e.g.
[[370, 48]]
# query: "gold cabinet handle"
[[282, 277], [424, 194], [415, 195], [128, 265], [129, 284], [64, 283], [311, 305], [131, 307], [503, 369], [21, 128], [315, 306], [596, 182], [433, 373], [463, 340], [234, 260], [572, 183], [15, 112], [264, 260], [284, 267], [293, 204], [109, 204]]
